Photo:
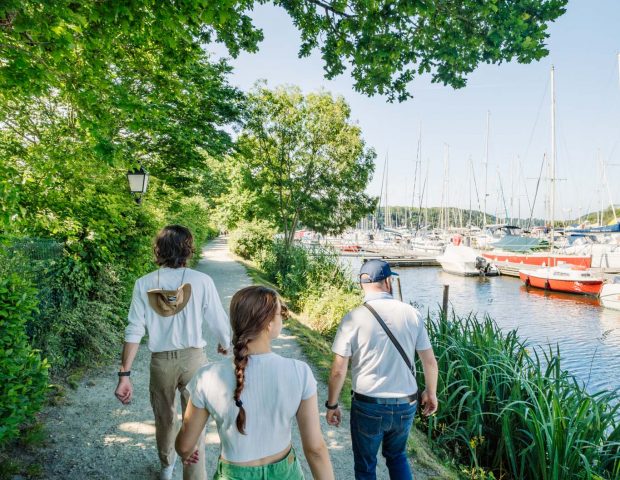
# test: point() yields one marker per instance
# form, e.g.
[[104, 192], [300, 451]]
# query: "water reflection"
[[560, 296]]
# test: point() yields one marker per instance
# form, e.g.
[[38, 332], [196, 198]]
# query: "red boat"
[[350, 248], [571, 279], [539, 259]]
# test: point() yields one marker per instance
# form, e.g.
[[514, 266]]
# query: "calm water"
[[588, 334]]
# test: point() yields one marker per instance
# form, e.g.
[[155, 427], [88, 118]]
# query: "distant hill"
[[593, 217]]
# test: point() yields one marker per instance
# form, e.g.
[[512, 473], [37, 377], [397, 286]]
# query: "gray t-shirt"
[[377, 369]]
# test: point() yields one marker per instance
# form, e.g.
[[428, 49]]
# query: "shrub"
[[250, 238], [314, 282], [325, 307], [23, 375], [88, 329]]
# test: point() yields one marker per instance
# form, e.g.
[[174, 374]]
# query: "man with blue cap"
[[380, 338]]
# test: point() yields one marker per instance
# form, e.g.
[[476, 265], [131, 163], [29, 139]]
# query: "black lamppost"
[[138, 181]]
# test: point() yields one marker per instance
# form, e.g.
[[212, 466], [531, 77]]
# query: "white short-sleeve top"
[[377, 369], [273, 389]]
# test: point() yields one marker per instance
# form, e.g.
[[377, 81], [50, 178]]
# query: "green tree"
[[304, 161]]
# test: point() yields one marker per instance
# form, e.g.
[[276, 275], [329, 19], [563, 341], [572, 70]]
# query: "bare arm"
[[312, 439], [124, 389], [429, 396], [337, 376], [194, 422]]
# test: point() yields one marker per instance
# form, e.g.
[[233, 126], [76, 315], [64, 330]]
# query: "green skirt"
[[286, 469]]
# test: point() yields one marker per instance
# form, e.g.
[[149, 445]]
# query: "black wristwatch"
[[331, 407], [124, 374]]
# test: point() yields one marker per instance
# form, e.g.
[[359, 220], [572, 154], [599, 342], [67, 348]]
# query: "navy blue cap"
[[376, 270]]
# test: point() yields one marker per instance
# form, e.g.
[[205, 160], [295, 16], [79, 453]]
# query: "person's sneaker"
[[166, 472]]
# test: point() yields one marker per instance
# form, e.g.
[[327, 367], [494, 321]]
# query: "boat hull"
[[539, 260], [610, 296], [582, 287], [464, 270]]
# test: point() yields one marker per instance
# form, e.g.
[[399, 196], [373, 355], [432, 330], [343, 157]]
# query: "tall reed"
[[514, 412]]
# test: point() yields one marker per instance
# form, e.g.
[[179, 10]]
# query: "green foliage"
[[250, 238], [387, 43], [515, 414], [192, 212], [313, 281], [86, 91], [304, 162], [86, 329], [326, 306], [23, 375], [390, 43]]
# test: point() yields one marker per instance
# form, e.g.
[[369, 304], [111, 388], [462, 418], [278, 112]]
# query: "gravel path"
[[93, 436]]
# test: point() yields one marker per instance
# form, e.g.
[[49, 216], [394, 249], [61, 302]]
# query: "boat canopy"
[[517, 243]]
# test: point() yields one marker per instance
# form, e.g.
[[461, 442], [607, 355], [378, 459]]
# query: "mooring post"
[[400, 290], [444, 309]]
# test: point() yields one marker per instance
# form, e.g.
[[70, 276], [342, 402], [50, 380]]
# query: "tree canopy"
[[387, 43]]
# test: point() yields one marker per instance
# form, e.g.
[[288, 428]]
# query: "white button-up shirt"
[[184, 329]]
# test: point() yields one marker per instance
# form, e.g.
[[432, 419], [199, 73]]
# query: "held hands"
[[334, 417], [193, 458], [430, 403], [124, 390]]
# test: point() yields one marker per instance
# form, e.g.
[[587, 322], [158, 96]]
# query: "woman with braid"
[[254, 400]]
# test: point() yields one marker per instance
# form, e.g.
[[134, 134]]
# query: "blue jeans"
[[373, 424]]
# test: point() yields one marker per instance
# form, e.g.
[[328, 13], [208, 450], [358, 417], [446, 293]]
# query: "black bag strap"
[[392, 337]]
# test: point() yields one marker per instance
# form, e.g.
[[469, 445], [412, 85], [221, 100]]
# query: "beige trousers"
[[171, 371]]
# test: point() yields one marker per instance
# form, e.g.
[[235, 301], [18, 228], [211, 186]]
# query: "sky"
[[584, 44]]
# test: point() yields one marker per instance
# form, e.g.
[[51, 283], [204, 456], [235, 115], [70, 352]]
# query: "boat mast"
[[418, 163], [486, 169], [611, 201], [387, 214], [379, 225], [553, 157]]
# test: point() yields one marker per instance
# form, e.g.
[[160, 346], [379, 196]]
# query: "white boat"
[[462, 260], [610, 294]]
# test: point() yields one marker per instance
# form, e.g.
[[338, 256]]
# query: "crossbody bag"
[[396, 343]]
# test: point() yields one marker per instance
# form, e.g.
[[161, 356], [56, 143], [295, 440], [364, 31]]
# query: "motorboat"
[[564, 278], [463, 260], [610, 294]]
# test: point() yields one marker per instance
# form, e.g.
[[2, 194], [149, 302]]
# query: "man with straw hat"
[[380, 338], [172, 303]]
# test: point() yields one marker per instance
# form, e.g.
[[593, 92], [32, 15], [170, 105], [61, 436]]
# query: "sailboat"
[[560, 277], [519, 254]]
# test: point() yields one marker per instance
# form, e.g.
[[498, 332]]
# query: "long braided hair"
[[251, 310]]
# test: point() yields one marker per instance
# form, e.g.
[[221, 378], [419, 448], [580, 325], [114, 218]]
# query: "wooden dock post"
[[400, 290], [444, 309]]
